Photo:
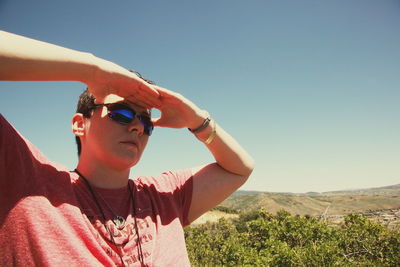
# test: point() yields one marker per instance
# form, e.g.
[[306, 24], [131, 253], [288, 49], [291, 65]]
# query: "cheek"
[[144, 140], [99, 136]]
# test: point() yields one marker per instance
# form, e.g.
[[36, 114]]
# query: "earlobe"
[[78, 124]]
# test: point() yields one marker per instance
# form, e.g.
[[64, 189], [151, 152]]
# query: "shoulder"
[[167, 181], [20, 158]]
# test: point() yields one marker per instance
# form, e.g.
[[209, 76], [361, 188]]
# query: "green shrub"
[[258, 238]]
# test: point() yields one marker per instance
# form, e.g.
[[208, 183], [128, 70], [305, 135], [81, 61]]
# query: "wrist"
[[213, 134], [198, 121], [207, 131], [205, 122]]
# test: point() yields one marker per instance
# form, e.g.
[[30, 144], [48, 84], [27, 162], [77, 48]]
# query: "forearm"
[[227, 152], [213, 183], [25, 59], [179, 112]]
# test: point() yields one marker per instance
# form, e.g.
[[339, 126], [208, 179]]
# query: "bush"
[[259, 238], [226, 209]]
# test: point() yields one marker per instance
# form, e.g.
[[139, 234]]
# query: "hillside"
[[392, 190], [312, 203]]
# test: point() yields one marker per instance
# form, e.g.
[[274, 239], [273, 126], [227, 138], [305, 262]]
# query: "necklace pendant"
[[119, 222]]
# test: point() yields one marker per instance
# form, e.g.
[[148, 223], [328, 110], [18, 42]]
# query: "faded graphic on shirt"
[[125, 239]]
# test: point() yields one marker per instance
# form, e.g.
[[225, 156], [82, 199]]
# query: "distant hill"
[[391, 190], [314, 203]]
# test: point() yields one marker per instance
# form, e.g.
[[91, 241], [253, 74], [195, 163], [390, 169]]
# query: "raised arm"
[[216, 181], [25, 59]]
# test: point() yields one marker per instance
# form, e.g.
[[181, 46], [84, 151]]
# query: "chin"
[[121, 164]]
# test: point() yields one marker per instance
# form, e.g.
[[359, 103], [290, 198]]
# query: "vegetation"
[[259, 238], [313, 203], [226, 209]]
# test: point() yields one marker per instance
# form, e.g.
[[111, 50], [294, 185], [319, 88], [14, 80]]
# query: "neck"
[[103, 176]]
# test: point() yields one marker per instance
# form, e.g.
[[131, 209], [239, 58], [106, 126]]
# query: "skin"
[[105, 159], [109, 149]]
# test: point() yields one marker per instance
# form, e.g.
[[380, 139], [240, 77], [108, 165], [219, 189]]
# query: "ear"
[[78, 124]]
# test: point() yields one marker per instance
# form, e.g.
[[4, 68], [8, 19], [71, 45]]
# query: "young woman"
[[95, 215]]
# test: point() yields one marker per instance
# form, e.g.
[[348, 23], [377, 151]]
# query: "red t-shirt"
[[48, 216]]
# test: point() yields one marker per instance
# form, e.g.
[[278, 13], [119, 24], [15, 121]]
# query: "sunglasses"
[[124, 114]]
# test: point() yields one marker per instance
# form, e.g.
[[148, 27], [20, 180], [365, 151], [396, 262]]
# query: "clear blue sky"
[[310, 88]]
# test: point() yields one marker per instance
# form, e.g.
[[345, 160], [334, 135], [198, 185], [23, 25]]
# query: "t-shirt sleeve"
[[181, 182], [172, 191], [21, 165]]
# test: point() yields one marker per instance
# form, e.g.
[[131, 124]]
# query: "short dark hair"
[[85, 106]]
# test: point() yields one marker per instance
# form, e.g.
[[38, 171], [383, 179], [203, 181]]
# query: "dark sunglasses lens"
[[123, 116], [147, 124]]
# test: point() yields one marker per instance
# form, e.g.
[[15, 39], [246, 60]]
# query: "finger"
[[174, 98], [98, 94], [141, 102], [138, 95], [141, 89], [99, 100], [148, 89], [157, 121], [149, 97], [145, 88], [164, 92], [161, 122]]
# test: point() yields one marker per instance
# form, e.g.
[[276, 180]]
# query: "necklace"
[[119, 219]]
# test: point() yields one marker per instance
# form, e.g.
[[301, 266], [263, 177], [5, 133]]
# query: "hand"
[[178, 111], [112, 79]]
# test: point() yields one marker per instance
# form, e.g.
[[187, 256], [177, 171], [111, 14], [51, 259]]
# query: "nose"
[[136, 126]]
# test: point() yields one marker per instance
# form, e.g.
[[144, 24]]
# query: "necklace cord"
[[136, 226], [139, 245]]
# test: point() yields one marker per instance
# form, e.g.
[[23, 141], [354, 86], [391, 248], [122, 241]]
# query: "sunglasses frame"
[[122, 106]]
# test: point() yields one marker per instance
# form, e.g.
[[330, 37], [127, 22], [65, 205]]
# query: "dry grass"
[[344, 202], [213, 216]]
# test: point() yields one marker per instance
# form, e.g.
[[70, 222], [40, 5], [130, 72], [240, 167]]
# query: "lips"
[[130, 142]]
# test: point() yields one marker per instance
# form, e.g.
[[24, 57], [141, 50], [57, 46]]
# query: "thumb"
[[166, 122], [157, 121]]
